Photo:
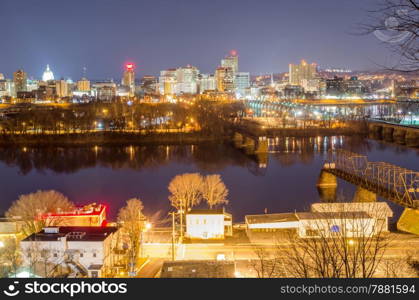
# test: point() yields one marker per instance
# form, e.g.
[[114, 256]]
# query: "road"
[[151, 268]]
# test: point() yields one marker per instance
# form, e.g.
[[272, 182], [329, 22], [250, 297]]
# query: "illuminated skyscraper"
[[231, 61], [242, 83], [128, 78], [61, 88], [20, 79], [187, 80], [206, 82], [167, 82], [224, 77], [83, 85], [302, 71]]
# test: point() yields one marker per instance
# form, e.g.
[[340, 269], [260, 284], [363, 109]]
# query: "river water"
[[282, 181]]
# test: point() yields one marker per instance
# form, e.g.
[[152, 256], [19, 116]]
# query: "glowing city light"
[[129, 66]]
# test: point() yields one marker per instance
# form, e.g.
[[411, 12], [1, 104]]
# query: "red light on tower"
[[129, 66], [233, 53]]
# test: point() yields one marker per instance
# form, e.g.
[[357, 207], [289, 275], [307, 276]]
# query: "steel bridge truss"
[[390, 181]]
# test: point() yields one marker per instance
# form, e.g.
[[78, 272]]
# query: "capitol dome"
[[48, 75]]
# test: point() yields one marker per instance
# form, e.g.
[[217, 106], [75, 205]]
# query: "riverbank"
[[161, 138], [107, 138]]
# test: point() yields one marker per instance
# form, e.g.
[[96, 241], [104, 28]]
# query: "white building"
[[206, 82], [322, 221], [208, 224], [242, 82], [187, 80], [86, 251], [380, 211], [6, 88], [48, 74], [167, 82]]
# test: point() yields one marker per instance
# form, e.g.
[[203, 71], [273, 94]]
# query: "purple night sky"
[[104, 34]]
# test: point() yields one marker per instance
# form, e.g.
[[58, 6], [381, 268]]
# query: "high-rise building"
[[302, 71], [128, 78], [231, 61], [167, 82], [224, 77], [48, 74], [187, 80], [61, 88], [6, 88], [335, 86], [20, 79], [206, 82], [242, 82], [148, 84], [83, 85], [1, 76]]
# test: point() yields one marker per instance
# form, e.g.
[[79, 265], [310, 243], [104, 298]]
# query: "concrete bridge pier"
[[399, 135], [412, 138], [238, 140], [327, 186], [249, 145], [262, 145], [363, 195], [388, 134]]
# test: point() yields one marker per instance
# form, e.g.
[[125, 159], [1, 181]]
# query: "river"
[[282, 181]]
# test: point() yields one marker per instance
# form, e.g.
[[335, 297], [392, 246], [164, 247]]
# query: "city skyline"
[[143, 33]]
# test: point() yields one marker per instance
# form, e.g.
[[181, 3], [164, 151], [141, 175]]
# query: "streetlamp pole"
[[173, 236]]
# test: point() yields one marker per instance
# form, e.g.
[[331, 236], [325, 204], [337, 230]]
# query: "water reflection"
[[207, 157]]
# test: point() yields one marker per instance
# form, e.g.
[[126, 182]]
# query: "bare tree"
[[185, 192], [396, 24], [132, 222], [344, 244], [33, 208], [268, 264], [214, 191], [10, 258]]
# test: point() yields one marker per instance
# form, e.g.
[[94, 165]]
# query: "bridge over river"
[[389, 181]]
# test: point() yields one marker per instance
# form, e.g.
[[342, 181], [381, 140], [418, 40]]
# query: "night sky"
[[104, 34]]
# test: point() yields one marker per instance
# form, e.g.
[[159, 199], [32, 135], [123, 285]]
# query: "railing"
[[393, 182]]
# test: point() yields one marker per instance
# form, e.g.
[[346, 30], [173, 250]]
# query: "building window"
[[335, 228], [94, 254], [55, 255], [81, 254]]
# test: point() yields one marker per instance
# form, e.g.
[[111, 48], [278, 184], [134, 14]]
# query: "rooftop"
[[294, 217], [72, 233], [271, 218], [219, 211], [198, 269], [333, 215]]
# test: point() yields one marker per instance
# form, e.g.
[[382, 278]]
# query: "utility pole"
[[173, 235]]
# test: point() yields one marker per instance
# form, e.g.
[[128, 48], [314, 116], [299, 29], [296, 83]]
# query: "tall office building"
[[224, 78], [187, 80], [242, 83], [206, 82], [231, 61], [148, 84], [302, 71], [167, 82], [20, 79], [128, 79], [48, 74], [61, 88], [1, 76], [83, 85]]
